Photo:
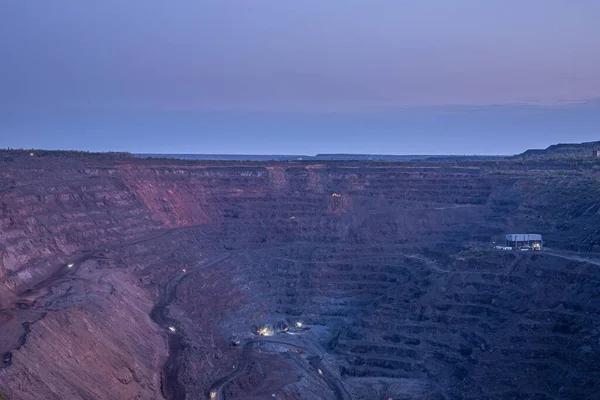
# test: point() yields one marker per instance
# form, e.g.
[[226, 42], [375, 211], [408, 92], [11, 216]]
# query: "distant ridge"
[[66, 153], [586, 149]]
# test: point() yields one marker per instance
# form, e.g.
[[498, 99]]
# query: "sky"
[[299, 77]]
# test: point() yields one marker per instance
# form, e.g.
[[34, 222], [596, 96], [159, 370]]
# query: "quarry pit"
[[126, 278]]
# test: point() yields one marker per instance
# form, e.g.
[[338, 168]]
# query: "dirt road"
[[217, 390], [573, 257], [170, 387], [76, 260]]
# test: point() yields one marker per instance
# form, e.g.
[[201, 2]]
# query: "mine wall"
[[53, 212]]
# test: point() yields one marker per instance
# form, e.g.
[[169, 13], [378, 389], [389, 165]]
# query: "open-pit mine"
[[131, 278]]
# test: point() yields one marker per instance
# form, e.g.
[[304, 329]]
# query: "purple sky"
[[71, 68]]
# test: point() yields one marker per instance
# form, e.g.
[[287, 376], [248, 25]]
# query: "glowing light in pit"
[[265, 331], [172, 329], [70, 265]]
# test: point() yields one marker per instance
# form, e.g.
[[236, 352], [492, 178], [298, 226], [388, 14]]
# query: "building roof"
[[523, 237]]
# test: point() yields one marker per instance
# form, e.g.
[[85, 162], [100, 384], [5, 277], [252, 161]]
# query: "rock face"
[[105, 350], [126, 278]]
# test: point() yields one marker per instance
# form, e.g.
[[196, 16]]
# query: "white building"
[[516, 240]]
